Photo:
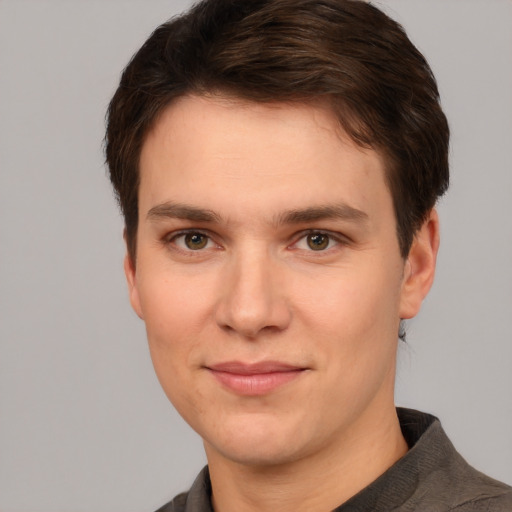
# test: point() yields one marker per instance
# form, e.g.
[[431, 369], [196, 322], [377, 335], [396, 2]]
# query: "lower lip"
[[255, 384]]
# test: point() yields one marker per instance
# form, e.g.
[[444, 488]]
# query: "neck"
[[321, 481]]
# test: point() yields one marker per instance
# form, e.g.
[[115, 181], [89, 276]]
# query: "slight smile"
[[254, 379]]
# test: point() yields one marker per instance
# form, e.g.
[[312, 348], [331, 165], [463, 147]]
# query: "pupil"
[[195, 241], [318, 241]]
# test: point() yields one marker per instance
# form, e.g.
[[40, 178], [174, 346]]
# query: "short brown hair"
[[345, 53]]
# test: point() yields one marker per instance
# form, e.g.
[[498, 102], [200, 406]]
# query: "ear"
[[131, 279], [420, 266]]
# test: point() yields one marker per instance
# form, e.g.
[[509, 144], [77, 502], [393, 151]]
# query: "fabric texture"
[[430, 477]]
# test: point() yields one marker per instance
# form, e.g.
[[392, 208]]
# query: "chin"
[[257, 443], [255, 454]]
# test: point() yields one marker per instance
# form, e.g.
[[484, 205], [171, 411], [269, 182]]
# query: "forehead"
[[219, 150]]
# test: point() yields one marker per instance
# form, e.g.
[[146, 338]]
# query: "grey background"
[[84, 425]]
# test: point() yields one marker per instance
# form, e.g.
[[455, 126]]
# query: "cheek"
[[175, 312], [353, 316], [351, 300], [174, 307], [356, 340]]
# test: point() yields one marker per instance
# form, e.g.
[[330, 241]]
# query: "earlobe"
[[419, 269], [131, 279]]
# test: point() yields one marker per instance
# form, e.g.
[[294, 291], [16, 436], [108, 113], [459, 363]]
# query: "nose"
[[252, 300]]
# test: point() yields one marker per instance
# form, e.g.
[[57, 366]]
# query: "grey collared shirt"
[[430, 477]]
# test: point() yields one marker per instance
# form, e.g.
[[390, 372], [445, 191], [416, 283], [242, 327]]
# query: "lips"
[[254, 379]]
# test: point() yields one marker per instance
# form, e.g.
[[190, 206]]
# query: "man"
[[278, 163]]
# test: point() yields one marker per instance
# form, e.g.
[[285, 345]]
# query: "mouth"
[[254, 379]]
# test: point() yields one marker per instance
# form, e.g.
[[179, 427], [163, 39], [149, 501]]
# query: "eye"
[[192, 241], [316, 241]]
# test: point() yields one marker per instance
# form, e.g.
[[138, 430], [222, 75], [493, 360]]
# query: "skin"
[[253, 182]]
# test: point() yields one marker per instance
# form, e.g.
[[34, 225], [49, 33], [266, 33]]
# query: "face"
[[269, 277]]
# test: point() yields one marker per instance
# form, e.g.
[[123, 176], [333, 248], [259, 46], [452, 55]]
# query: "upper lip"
[[239, 368]]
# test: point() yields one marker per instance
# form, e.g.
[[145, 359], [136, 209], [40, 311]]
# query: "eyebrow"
[[339, 211], [182, 211], [171, 210]]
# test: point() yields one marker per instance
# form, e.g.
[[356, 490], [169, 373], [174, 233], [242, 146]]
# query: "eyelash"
[[334, 240], [171, 239]]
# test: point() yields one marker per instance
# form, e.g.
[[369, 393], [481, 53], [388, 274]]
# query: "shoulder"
[[197, 499], [176, 505], [497, 498], [462, 487], [477, 492], [440, 479]]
